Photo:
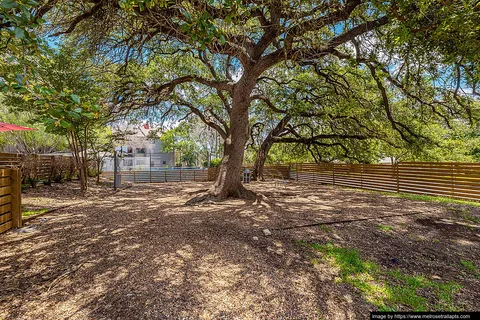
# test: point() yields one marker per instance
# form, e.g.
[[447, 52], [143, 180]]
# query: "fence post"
[[296, 169], [361, 175], [333, 173], [453, 179], [312, 172], [398, 177], [36, 160], [165, 175], [180, 174], [134, 177], [193, 175], [150, 168], [53, 166], [16, 175]]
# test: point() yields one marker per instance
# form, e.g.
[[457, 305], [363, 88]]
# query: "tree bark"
[[265, 148], [99, 165], [229, 183], [79, 157], [262, 154]]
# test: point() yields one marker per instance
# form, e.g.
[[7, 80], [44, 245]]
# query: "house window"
[[164, 162], [140, 150], [129, 150]]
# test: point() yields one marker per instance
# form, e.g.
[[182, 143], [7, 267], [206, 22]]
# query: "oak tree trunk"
[[265, 147], [229, 177], [262, 154]]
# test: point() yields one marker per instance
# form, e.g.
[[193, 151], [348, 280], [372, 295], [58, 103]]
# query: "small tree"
[[64, 97]]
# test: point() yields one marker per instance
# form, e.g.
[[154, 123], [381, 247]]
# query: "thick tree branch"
[[205, 120], [267, 102], [316, 53], [309, 140], [167, 88], [80, 18]]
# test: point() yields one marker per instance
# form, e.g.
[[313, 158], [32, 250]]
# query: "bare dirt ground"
[[142, 254]]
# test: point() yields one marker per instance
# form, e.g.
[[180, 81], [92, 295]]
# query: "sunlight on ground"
[[143, 252]]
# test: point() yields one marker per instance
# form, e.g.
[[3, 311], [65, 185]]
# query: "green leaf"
[[78, 110], [75, 98], [74, 115], [95, 107], [65, 124], [222, 39], [13, 48], [19, 33], [31, 3], [8, 4], [19, 78]]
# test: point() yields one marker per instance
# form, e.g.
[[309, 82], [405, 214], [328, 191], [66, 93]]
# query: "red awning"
[[12, 127]]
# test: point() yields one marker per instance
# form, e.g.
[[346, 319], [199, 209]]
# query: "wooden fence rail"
[[10, 198], [448, 179]]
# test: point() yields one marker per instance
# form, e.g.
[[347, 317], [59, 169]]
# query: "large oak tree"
[[252, 36], [242, 39]]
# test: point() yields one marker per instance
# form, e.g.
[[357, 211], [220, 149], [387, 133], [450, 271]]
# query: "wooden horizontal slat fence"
[[10, 198], [448, 179], [10, 159], [274, 171], [39, 167], [156, 176]]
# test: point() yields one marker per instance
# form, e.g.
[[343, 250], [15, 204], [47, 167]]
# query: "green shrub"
[[215, 162]]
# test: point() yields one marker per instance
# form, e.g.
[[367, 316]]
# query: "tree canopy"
[[350, 75]]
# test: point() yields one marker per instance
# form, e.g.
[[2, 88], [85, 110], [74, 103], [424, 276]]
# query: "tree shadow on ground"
[[142, 254]]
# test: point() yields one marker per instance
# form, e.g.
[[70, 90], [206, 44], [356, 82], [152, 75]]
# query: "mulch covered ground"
[[142, 254], [58, 195]]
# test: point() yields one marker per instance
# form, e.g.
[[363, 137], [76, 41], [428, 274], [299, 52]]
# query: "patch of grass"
[[424, 197], [384, 227], [387, 290], [29, 213], [443, 291], [464, 214], [416, 237], [470, 267], [325, 228]]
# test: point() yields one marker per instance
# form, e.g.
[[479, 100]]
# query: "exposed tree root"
[[197, 192], [202, 199], [211, 197]]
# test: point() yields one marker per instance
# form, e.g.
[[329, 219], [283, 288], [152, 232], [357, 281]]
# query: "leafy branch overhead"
[[330, 74]]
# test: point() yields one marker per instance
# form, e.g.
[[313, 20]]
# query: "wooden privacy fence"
[[448, 179], [40, 166], [10, 198]]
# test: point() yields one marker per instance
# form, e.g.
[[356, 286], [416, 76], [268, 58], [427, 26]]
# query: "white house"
[[139, 152]]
